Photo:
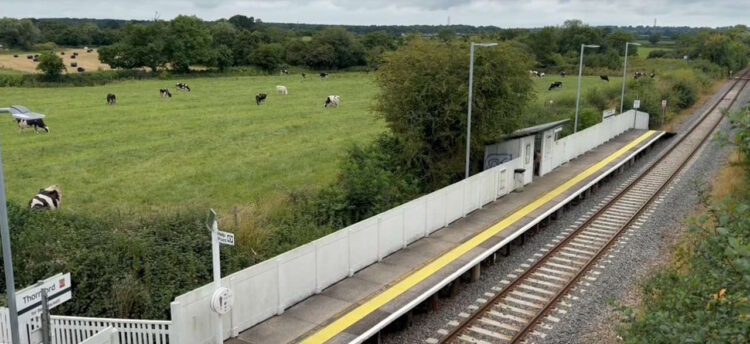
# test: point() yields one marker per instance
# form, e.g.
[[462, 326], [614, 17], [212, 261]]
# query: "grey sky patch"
[[503, 13]]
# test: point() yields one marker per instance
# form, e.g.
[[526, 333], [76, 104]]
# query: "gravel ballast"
[[631, 262]]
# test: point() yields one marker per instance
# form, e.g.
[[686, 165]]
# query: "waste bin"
[[518, 179]]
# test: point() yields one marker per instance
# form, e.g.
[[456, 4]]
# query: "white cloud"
[[503, 13]]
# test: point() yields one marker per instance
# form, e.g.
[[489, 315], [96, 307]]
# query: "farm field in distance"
[[89, 61], [212, 147]]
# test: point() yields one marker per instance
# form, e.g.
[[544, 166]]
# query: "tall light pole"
[[471, 87], [580, 72], [624, 74], [10, 285]]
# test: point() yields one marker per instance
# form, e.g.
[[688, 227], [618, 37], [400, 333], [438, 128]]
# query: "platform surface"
[[345, 310]]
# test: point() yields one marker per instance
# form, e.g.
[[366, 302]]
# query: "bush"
[[51, 65], [686, 91], [125, 266], [45, 47]]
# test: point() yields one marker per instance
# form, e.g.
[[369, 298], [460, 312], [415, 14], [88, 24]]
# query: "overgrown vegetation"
[[703, 296]]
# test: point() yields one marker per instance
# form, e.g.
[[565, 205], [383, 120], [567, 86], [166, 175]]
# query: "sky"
[[502, 13]]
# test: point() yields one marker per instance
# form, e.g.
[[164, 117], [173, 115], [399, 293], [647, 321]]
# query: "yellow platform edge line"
[[359, 313]]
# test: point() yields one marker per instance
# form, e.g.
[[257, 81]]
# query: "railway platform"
[[358, 307]]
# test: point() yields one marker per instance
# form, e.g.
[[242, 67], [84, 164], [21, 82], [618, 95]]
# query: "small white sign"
[[225, 238], [637, 104], [29, 300], [663, 104], [608, 113]]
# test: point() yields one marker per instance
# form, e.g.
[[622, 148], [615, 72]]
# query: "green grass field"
[[212, 147]]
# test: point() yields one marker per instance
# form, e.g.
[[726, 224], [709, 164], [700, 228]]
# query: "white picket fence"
[[4, 325], [75, 330]]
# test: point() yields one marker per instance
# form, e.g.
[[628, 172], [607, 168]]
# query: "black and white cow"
[[604, 77], [284, 72], [652, 75], [555, 85], [332, 101], [165, 93], [323, 75], [563, 74], [80, 69], [47, 199], [304, 76], [36, 123], [111, 99], [183, 87], [260, 98]]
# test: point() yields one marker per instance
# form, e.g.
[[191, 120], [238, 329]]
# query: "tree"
[[447, 34], [141, 46], [189, 42], [617, 41], [267, 56], [19, 33], [423, 100], [243, 22], [347, 51], [50, 64], [654, 38], [544, 45]]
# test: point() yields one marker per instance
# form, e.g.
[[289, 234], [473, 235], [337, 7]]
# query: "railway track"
[[517, 310]]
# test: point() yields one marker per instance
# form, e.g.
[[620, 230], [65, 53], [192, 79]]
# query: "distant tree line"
[[247, 41]]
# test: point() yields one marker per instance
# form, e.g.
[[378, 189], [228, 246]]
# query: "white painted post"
[[217, 272]]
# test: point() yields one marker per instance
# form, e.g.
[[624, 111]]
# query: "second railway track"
[[513, 314]]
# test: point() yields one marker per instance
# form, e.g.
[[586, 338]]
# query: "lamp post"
[[471, 87], [580, 72], [624, 74], [10, 287]]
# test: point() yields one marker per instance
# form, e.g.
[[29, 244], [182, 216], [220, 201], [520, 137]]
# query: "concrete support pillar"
[[454, 288], [587, 193], [506, 250], [435, 302], [476, 272]]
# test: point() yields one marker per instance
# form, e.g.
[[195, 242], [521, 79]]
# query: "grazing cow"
[[73, 56], [555, 85], [260, 98], [89, 50], [533, 72], [15, 55], [604, 77], [284, 72], [304, 76], [282, 90], [652, 75], [332, 101], [74, 64], [36, 123], [80, 69], [541, 75], [563, 74], [165, 93], [183, 87], [111, 99], [36, 59], [62, 53], [323, 75], [47, 199], [29, 57]]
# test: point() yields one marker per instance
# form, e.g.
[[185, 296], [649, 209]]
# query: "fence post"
[[46, 336]]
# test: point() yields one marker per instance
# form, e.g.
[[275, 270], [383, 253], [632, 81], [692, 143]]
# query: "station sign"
[[29, 300], [225, 238]]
